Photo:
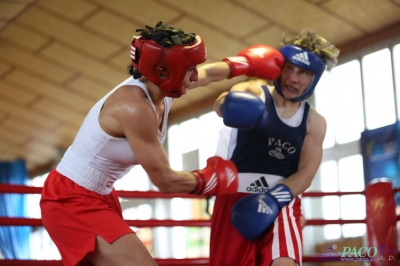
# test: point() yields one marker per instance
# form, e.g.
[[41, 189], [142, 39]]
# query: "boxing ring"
[[381, 221]]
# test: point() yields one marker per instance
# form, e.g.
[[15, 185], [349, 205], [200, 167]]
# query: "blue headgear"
[[305, 59]]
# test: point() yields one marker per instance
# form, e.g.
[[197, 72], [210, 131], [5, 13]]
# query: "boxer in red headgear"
[[127, 127], [167, 59]]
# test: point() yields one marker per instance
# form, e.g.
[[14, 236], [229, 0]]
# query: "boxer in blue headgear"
[[274, 137], [311, 56], [305, 59]]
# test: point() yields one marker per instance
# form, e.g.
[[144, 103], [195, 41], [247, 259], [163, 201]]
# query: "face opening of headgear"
[[166, 67], [305, 59]]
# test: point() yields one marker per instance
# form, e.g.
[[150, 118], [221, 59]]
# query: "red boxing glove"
[[259, 60], [220, 177]]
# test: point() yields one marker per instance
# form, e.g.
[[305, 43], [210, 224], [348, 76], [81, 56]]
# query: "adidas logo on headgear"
[[259, 185], [302, 57]]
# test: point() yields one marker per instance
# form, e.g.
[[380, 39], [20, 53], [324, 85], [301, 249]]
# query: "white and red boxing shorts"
[[229, 248]]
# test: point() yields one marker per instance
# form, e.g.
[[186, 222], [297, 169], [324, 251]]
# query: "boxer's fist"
[[260, 60], [243, 110], [219, 177], [253, 214]]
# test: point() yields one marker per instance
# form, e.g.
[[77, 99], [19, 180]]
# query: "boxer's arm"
[[141, 130], [261, 61], [310, 156], [219, 177], [212, 72], [129, 114], [251, 86]]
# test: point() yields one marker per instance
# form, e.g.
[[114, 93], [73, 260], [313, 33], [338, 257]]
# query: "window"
[[348, 117], [378, 89], [351, 178], [323, 94], [355, 96]]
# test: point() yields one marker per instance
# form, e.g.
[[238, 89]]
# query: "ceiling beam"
[[372, 39]]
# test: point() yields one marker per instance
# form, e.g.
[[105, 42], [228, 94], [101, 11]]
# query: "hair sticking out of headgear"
[[314, 43], [312, 48], [164, 54]]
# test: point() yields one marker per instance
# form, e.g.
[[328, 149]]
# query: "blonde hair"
[[315, 44]]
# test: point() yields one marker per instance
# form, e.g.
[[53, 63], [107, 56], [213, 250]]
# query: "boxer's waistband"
[[257, 182], [85, 175]]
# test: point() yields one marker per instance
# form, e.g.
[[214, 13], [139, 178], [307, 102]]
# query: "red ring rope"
[[6, 188]]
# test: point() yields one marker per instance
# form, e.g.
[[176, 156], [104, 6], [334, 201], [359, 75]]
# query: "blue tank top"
[[272, 149]]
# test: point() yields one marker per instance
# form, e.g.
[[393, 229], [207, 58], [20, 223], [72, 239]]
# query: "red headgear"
[[166, 66]]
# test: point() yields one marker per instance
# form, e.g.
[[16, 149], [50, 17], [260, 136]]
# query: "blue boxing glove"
[[243, 110], [253, 214]]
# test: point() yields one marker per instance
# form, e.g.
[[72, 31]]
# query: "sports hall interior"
[[59, 57]]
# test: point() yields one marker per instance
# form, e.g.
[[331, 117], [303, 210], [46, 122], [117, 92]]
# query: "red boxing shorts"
[[73, 216], [229, 248]]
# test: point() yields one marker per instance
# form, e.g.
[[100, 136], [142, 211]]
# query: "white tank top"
[[293, 121], [95, 160]]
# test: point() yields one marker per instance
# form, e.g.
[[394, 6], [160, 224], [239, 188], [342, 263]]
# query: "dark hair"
[[165, 36]]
